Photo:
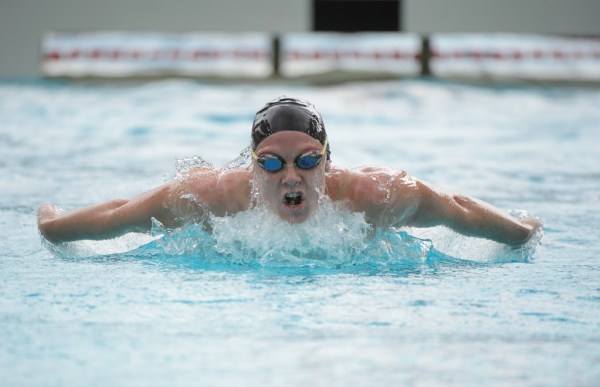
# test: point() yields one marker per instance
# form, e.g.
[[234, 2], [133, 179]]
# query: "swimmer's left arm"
[[395, 198], [470, 217]]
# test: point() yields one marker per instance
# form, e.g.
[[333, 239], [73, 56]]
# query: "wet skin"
[[291, 193], [387, 198]]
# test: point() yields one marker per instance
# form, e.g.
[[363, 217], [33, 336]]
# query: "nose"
[[291, 176]]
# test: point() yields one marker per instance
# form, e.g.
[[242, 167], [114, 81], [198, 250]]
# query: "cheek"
[[317, 181], [266, 183]]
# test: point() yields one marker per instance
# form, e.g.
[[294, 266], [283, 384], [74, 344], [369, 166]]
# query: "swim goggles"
[[273, 163]]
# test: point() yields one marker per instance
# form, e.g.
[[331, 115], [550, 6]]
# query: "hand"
[[534, 223], [46, 212]]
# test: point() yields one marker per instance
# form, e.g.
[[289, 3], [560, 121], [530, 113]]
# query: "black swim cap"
[[285, 113]]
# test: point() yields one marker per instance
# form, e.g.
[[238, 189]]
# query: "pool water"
[[276, 307]]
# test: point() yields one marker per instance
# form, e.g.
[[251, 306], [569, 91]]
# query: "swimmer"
[[291, 171]]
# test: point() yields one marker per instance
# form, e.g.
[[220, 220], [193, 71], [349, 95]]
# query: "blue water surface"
[[403, 307]]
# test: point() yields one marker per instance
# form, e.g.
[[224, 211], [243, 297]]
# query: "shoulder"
[[374, 190], [222, 191], [373, 184]]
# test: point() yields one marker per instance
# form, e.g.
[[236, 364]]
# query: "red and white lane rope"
[[145, 55], [513, 55]]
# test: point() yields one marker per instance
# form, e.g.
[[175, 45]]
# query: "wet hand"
[[46, 211], [533, 223]]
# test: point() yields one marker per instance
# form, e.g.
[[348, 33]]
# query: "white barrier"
[[512, 55], [313, 53], [251, 55], [120, 54]]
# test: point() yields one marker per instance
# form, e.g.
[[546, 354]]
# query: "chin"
[[293, 219], [295, 216]]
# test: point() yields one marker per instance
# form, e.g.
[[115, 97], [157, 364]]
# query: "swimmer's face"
[[291, 193]]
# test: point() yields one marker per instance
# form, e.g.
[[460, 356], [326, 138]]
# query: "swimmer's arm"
[[470, 217], [110, 219]]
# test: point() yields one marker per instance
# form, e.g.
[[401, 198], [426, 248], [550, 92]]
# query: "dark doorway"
[[356, 15]]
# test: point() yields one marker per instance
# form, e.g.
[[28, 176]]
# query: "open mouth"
[[292, 199]]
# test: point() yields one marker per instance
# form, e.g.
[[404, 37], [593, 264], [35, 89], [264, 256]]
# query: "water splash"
[[328, 238], [333, 238], [480, 250], [243, 161], [93, 248], [184, 165]]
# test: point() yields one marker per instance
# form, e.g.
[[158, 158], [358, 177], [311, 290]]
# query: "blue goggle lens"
[[271, 164], [308, 161], [274, 163]]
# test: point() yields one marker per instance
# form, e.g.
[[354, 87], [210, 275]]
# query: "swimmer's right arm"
[[204, 190], [110, 219]]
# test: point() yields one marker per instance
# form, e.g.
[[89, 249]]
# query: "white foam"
[[331, 236], [93, 248]]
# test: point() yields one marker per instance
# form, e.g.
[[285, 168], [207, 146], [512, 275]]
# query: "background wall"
[[23, 22], [579, 17]]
